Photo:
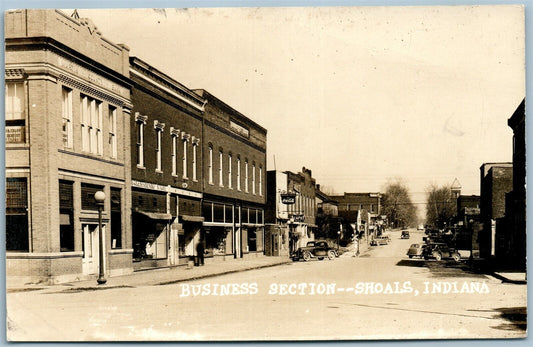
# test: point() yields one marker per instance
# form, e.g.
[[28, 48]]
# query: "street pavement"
[[382, 294]]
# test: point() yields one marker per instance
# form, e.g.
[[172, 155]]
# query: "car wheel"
[[410, 256], [456, 257], [437, 256], [331, 255], [320, 258], [307, 256]]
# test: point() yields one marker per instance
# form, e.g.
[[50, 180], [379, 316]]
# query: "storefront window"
[[116, 219], [66, 217], [16, 215]]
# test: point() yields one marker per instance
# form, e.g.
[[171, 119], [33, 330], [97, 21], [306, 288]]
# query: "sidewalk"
[[165, 275]]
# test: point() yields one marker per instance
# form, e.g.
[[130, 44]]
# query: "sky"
[[359, 95]]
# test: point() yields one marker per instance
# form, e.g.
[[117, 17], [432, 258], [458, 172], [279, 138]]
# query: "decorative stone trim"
[[15, 74], [175, 132], [87, 89], [140, 118], [158, 125], [195, 141], [185, 137]]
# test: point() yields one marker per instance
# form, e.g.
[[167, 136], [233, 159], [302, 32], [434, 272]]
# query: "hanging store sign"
[[288, 199]]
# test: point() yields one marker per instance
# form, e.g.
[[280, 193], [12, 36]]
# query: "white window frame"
[[220, 175], [253, 179], [238, 173], [194, 172], [246, 176], [14, 106], [185, 138], [112, 118], [91, 125], [67, 117], [141, 122], [260, 181], [174, 155], [230, 185], [158, 127], [210, 165]]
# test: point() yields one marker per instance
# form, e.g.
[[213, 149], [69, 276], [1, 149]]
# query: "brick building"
[[166, 168], [496, 180], [291, 211], [514, 238], [360, 209], [67, 136], [234, 185]]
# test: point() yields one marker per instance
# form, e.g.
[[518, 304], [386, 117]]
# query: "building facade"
[[291, 211], [234, 182], [514, 238], [166, 168], [361, 209], [496, 181], [67, 137]]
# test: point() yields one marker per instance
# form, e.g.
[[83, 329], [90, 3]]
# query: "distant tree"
[[397, 205], [441, 205]]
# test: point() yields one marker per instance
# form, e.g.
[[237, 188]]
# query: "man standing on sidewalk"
[[200, 253]]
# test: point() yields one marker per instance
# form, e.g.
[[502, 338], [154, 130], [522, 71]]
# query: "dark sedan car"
[[439, 251], [314, 249]]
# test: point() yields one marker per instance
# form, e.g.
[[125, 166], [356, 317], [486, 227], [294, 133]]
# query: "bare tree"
[[441, 205], [397, 205]]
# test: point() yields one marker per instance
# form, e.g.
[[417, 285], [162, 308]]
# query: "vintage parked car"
[[439, 251], [405, 234], [380, 240], [315, 249], [416, 250]]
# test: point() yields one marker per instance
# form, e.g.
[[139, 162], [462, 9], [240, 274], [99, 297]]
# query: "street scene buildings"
[[115, 169]]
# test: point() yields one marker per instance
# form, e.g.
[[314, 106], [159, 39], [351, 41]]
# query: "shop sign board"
[[288, 199]]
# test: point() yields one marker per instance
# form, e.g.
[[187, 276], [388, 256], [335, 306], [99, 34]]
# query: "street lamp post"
[[338, 239], [99, 196]]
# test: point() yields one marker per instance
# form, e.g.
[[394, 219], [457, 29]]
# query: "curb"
[[507, 280], [218, 274]]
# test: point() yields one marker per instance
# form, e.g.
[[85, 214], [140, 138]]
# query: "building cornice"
[[165, 83], [43, 42]]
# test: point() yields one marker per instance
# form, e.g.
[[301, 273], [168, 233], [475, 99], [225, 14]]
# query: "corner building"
[[67, 136], [234, 195], [166, 168]]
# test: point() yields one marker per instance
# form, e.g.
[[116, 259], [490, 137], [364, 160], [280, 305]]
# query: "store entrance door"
[[89, 237]]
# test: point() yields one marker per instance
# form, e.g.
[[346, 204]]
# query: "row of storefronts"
[[179, 168]]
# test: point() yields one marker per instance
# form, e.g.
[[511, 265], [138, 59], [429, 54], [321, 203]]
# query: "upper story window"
[[210, 165], [158, 126], [260, 181], [230, 185], [186, 138], [141, 122], [195, 142], [238, 173], [246, 176], [174, 133], [112, 126], [91, 125], [15, 114], [220, 179], [253, 178], [66, 112]]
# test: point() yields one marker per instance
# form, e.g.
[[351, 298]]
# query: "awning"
[[187, 218], [156, 215]]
